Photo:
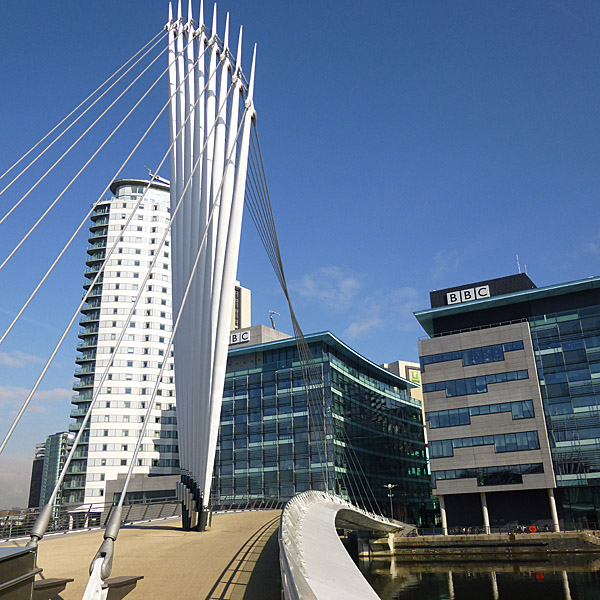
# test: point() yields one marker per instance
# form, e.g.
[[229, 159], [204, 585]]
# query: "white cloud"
[[444, 262], [391, 310], [332, 287], [592, 248], [18, 359], [12, 397]]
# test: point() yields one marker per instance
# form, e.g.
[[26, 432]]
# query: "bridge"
[[215, 167]]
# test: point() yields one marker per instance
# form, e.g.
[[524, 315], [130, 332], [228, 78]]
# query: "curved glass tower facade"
[[359, 432]]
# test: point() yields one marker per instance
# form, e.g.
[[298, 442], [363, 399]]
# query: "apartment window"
[[136, 263], [105, 433], [503, 442], [123, 461], [129, 350], [124, 447], [109, 390], [130, 363], [127, 404], [104, 447], [473, 385], [128, 390]]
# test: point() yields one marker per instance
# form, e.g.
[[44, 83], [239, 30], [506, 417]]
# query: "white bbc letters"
[[239, 338], [468, 295]]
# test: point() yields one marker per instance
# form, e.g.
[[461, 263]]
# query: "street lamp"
[[390, 487]]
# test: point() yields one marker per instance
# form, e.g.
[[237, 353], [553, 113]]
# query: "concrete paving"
[[238, 558]]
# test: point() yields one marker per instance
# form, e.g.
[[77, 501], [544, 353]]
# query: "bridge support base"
[[203, 519]]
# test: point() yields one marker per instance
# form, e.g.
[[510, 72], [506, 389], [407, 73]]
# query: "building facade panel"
[[531, 354]]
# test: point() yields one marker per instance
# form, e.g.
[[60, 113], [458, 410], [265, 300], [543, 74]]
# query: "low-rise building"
[[511, 383]]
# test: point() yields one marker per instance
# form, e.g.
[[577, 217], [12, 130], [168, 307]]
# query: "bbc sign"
[[468, 295], [239, 338]]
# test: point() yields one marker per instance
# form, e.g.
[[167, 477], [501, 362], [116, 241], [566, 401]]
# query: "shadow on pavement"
[[253, 573]]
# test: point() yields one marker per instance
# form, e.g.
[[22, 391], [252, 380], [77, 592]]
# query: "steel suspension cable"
[[51, 168], [82, 114], [108, 138], [74, 317], [84, 220], [41, 524]]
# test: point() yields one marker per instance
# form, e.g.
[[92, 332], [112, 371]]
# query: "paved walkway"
[[238, 558]]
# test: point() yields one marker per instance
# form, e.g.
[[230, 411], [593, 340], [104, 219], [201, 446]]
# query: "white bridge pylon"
[[212, 109]]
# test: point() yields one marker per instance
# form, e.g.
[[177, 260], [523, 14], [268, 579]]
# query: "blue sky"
[[409, 146]]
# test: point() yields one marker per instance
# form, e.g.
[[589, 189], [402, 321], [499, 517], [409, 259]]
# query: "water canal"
[[547, 578]]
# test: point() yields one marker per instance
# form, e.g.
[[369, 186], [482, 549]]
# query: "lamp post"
[[390, 487]]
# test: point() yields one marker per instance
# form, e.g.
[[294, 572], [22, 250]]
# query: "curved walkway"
[[236, 559]]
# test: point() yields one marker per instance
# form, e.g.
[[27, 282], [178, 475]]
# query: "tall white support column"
[[443, 514], [484, 510], [208, 164], [553, 511]]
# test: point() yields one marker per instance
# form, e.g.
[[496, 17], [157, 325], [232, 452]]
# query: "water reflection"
[[547, 578]]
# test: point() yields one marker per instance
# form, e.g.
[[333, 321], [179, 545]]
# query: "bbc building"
[[511, 383]]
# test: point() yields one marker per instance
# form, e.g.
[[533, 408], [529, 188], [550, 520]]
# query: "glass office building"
[[514, 370], [356, 431]]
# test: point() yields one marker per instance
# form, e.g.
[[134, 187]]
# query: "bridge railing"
[[294, 547], [17, 523]]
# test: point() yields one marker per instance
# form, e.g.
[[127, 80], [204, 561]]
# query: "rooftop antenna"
[[271, 313], [154, 177], [518, 264]]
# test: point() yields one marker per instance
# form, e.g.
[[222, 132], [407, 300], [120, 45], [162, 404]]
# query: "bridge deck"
[[237, 558]]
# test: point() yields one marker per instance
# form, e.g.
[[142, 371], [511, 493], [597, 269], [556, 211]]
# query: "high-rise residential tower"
[[107, 446]]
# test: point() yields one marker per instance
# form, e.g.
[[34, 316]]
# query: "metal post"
[[486, 516], [443, 514], [552, 501]]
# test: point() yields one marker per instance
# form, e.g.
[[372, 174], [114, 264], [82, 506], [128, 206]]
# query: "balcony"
[[90, 330], [88, 369], [89, 343], [97, 246], [76, 468], [79, 412], [92, 270], [75, 427], [83, 385], [87, 282], [98, 256], [97, 235], [90, 305], [102, 219], [74, 484], [101, 210], [96, 291], [90, 318], [86, 357]]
